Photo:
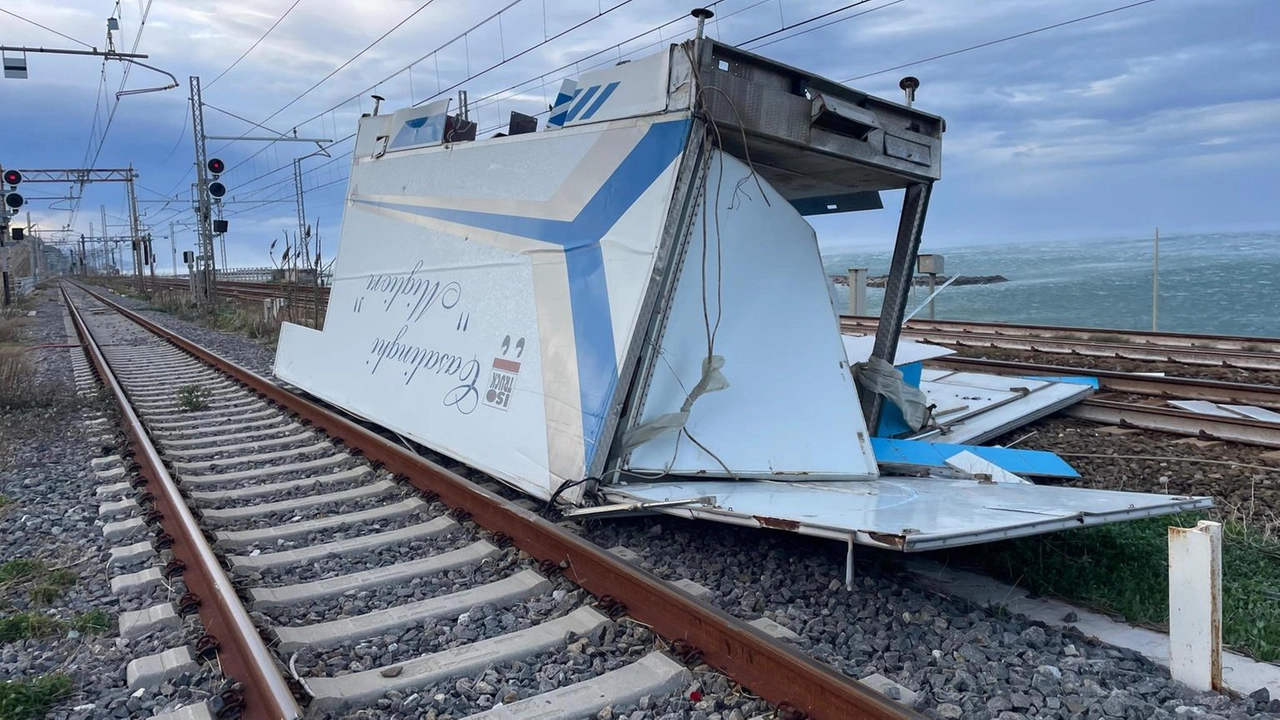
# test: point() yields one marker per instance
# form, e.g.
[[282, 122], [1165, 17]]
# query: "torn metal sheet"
[[906, 514], [981, 469], [1249, 412], [972, 408]]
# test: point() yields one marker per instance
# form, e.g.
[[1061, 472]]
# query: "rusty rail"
[[1147, 338], [241, 651], [770, 669], [1178, 422]]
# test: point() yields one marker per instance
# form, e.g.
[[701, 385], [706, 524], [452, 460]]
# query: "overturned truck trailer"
[[628, 308]]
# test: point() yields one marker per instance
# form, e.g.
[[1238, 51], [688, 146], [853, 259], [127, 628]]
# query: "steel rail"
[[241, 652], [1084, 348], [1135, 337], [1176, 388], [1182, 422], [768, 668]]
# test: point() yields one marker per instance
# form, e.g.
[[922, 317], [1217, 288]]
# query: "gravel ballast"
[[963, 661], [52, 517]]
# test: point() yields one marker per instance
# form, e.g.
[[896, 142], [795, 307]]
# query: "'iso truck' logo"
[[502, 377]]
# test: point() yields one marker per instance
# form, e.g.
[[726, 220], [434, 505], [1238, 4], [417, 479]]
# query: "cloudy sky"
[[1163, 114]]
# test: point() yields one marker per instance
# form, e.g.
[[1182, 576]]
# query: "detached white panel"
[[904, 513], [858, 348], [791, 410], [976, 407], [639, 87], [483, 292]]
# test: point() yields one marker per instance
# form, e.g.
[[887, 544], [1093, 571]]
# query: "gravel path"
[[52, 517]]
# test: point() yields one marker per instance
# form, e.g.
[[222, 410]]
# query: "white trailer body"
[[632, 295]]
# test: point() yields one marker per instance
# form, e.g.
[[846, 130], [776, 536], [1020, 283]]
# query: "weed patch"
[[18, 387], [30, 699], [28, 625], [31, 624], [193, 397], [20, 569]]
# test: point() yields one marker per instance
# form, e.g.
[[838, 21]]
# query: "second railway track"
[[381, 580]]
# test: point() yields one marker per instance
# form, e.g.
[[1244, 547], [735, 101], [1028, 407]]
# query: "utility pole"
[[205, 273], [139, 251], [297, 194], [1155, 284], [107, 247]]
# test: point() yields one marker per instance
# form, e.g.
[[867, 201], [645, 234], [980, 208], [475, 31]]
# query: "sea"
[[1220, 283]]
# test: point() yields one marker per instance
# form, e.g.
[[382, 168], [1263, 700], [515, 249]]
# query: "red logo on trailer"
[[502, 377]]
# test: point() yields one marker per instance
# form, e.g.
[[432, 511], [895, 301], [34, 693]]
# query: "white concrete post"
[[1195, 605], [857, 291]]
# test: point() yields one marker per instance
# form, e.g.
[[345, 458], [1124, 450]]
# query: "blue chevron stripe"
[[580, 239]]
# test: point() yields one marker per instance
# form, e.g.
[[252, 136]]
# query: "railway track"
[[1237, 359], [1117, 406], [1129, 337], [336, 572]]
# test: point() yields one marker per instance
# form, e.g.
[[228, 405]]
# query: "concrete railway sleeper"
[[376, 576]]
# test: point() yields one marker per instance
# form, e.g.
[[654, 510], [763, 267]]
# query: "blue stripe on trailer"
[[580, 238], [1073, 379], [926, 454]]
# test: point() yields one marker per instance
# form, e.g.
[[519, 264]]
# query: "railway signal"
[[216, 167], [12, 199]]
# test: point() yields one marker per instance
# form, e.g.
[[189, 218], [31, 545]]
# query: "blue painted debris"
[[920, 454]]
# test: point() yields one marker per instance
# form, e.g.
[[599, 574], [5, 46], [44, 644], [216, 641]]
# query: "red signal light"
[[12, 177], [216, 166]]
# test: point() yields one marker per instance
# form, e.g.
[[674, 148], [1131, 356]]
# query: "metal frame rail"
[[781, 675], [241, 652]]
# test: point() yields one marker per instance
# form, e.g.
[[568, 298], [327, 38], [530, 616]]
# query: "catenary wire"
[[256, 43]]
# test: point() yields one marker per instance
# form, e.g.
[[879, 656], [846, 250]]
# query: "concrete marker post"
[[1195, 605]]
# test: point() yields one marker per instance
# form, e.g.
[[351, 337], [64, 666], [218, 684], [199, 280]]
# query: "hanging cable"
[[46, 27], [255, 44], [1000, 40]]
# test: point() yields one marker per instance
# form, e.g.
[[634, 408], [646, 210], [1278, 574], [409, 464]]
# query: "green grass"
[[5, 501], [1122, 569], [193, 397], [44, 594], [30, 699], [32, 624], [61, 578], [28, 625], [92, 622], [20, 569]]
